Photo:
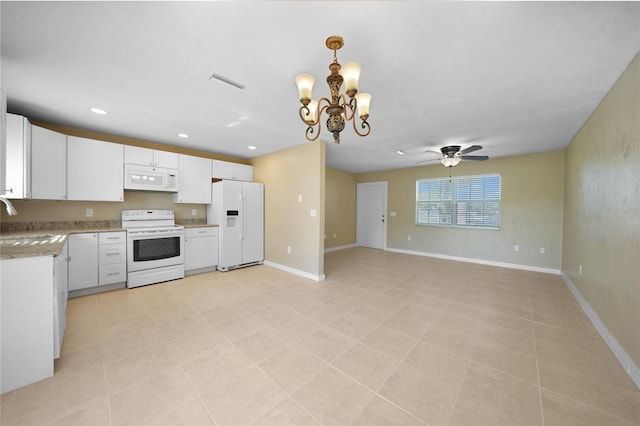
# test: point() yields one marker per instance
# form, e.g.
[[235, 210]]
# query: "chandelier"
[[338, 108]]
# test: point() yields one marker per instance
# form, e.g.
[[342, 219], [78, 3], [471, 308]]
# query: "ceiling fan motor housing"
[[450, 150]]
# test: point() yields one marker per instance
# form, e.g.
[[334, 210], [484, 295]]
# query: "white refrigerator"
[[238, 209]]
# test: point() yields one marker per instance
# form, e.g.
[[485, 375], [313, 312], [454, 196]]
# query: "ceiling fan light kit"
[[450, 161], [452, 155], [338, 108]]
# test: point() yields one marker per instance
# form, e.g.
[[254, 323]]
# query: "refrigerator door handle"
[[244, 214]]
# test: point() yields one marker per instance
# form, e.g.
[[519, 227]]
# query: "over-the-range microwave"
[[146, 178]]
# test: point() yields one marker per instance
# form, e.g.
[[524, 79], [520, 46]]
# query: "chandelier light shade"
[[339, 108]]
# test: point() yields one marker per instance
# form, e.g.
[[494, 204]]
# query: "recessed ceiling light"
[[100, 111], [183, 135], [251, 147], [401, 152]]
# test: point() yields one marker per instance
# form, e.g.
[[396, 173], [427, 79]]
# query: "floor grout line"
[[402, 288]]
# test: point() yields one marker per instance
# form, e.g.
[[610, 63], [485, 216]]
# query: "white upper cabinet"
[[150, 157], [48, 164], [195, 180], [243, 172], [232, 171], [94, 170], [18, 157]]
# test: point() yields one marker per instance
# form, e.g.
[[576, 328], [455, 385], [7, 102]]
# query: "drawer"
[[112, 253], [114, 273], [201, 232], [112, 237]]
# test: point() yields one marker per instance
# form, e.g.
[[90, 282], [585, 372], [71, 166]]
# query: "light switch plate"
[[313, 213], [89, 212]]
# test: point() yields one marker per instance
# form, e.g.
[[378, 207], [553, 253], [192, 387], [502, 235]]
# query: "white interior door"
[[371, 222]]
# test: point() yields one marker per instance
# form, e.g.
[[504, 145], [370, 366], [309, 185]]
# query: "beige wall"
[[288, 174], [61, 211], [531, 211], [340, 208], [602, 211]]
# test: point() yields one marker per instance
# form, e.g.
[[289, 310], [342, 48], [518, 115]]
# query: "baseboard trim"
[[625, 360], [478, 261], [295, 271], [348, 246], [95, 290]]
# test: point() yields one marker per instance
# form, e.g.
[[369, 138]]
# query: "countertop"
[[17, 244], [49, 242]]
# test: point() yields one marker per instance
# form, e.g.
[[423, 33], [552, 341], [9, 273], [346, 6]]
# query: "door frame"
[[360, 212]]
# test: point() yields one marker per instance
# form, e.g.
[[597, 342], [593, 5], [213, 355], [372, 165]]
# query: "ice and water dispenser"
[[232, 218]]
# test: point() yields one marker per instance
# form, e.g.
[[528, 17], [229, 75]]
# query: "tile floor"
[[387, 339]]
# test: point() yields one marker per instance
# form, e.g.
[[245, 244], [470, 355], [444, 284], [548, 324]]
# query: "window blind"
[[462, 201]]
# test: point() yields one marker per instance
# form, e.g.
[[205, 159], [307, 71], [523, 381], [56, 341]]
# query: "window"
[[464, 201]]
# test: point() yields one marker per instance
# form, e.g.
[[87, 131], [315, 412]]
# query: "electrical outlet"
[[541, 250], [516, 248], [392, 213], [289, 249], [313, 213], [334, 235], [300, 198], [194, 212], [89, 212], [409, 238]]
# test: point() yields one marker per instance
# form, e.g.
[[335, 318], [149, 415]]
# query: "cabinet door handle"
[[113, 254], [112, 274]]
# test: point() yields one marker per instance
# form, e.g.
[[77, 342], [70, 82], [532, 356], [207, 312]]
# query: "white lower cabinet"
[[83, 261], [26, 329], [97, 259], [200, 248], [60, 295], [112, 254]]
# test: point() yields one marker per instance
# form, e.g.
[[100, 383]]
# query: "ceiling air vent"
[[226, 80]]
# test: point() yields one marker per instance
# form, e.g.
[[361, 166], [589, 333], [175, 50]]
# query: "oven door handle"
[[157, 233]]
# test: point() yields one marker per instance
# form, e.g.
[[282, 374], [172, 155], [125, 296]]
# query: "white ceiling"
[[517, 77]]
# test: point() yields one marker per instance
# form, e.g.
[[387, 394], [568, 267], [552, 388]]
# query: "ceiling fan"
[[452, 155]]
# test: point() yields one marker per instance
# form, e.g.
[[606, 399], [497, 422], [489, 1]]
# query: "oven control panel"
[[147, 214]]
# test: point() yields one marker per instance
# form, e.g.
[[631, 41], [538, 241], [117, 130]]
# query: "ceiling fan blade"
[[475, 157], [427, 161], [471, 149]]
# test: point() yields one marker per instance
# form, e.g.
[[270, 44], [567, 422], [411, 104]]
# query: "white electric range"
[[155, 247]]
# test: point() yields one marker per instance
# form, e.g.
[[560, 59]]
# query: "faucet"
[[10, 209]]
